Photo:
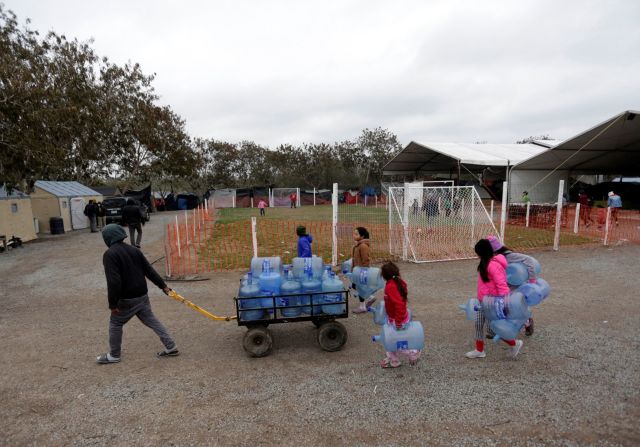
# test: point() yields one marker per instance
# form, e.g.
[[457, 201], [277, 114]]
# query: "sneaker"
[[105, 359], [516, 349], [168, 353], [528, 328], [361, 309], [475, 354], [370, 301]]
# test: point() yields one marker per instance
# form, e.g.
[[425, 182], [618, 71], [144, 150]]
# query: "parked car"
[[113, 209]]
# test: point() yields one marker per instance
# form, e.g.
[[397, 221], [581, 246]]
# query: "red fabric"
[[479, 345], [394, 304], [497, 285], [510, 342]]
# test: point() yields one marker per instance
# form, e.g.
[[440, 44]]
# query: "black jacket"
[[132, 215], [91, 210], [126, 270]]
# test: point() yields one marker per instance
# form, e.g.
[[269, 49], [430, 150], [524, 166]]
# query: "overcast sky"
[[321, 71]]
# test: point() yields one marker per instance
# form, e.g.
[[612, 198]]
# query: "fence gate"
[[436, 223]]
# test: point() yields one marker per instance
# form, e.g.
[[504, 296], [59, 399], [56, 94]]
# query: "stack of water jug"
[[305, 287], [507, 315], [368, 280]]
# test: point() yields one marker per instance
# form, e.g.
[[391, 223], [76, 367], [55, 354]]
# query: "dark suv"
[[113, 209]]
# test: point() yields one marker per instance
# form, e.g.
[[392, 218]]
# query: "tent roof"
[[442, 157], [15, 194], [611, 147], [66, 189]]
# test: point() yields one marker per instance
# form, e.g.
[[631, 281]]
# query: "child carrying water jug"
[[304, 242], [492, 280], [512, 256], [395, 304], [360, 256]]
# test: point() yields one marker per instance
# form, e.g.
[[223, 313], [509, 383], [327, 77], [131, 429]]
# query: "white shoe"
[[369, 303], [475, 354], [361, 309], [516, 349]]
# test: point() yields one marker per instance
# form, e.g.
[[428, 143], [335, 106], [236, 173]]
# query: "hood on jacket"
[[308, 237], [500, 259], [363, 241], [113, 233]]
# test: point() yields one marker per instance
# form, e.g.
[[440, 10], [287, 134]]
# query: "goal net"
[[436, 223], [224, 198], [281, 197]]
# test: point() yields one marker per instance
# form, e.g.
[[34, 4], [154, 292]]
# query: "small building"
[[62, 199], [16, 215]]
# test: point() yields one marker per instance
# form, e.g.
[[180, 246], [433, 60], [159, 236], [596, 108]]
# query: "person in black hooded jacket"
[[133, 218], [127, 270]]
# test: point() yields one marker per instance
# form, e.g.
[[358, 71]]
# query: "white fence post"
[[503, 211], [298, 197], [405, 221], [186, 227], [556, 238], [527, 218], [254, 236], [234, 198], [606, 229], [576, 220], [491, 214], [473, 215], [334, 226], [314, 196]]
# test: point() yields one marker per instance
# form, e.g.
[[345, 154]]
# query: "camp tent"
[[16, 215], [62, 199]]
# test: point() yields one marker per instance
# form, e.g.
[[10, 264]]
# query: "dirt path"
[[575, 383]]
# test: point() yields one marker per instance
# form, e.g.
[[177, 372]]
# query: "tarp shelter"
[[16, 215], [141, 195], [62, 199], [107, 191], [611, 147]]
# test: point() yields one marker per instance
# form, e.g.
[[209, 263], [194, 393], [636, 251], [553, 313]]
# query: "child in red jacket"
[[395, 304]]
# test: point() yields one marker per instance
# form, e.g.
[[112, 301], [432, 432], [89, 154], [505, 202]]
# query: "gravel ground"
[[575, 382]]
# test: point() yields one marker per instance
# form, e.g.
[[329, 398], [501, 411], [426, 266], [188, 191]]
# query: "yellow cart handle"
[[173, 294]]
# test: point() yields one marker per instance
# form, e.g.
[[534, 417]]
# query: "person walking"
[[261, 206], [615, 203], [101, 215], [91, 211], [133, 218], [585, 208], [126, 270], [293, 198]]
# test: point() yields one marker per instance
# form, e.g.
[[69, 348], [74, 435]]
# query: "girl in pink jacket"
[[492, 280]]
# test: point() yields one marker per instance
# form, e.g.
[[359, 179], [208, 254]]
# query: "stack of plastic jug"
[[250, 289], [301, 265], [506, 315], [311, 285], [517, 276], [393, 340], [289, 287], [368, 280], [257, 264], [333, 288], [269, 284]]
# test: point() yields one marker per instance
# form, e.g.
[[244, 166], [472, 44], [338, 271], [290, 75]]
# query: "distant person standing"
[[91, 211], [525, 197], [615, 203], [133, 218], [261, 206], [293, 198], [585, 208], [126, 270], [101, 214]]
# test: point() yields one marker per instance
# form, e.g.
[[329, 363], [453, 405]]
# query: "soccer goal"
[[436, 223], [281, 197], [224, 198]]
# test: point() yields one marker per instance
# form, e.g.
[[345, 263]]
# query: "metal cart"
[[258, 341]]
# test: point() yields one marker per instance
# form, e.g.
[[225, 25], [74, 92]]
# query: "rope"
[[173, 294]]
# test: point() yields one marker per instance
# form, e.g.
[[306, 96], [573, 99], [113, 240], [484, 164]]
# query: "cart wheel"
[[317, 323], [332, 336], [257, 342]]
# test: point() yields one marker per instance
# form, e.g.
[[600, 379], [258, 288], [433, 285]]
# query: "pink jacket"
[[497, 285]]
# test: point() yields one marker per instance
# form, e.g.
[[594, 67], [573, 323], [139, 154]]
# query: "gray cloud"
[[290, 72]]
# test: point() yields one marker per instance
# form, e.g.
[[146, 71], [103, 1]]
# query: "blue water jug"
[[532, 293], [393, 340], [257, 264], [333, 289], [310, 285], [506, 329], [512, 307], [300, 266], [517, 308], [544, 286], [517, 273], [326, 271], [250, 289], [368, 280], [269, 282], [289, 287], [346, 268], [536, 265], [379, 313], [470, 308]]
